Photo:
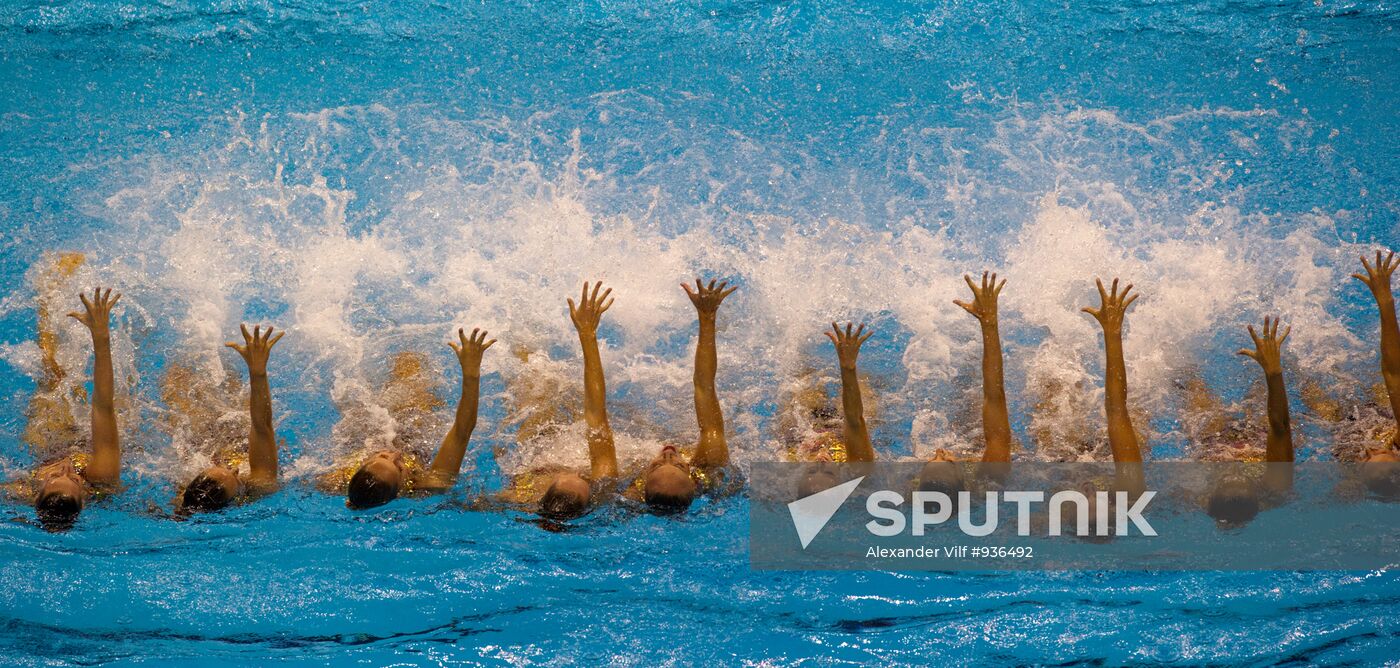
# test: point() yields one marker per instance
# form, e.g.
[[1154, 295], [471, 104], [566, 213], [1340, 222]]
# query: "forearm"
[[262, 439], [712, 450], [1280, 441], [105, 465], [448, 460], [1121, 437], [601, 450], [858, 447], [595, 390], [996, 420], [1390, 347]]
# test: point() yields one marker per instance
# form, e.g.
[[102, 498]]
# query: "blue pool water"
[[371, 175]]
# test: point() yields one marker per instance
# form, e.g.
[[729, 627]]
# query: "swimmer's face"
[[566, 498], [669, 456], [942, 474], [387, 466], [377, 482], [64, 479], [226, 478], [668, 487], [819, 477]]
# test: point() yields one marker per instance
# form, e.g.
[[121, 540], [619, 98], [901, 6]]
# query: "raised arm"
[[106, 464], [1113, 305], [858, 448], [448, 461], [1268, 353], [713, 451], [1377, 278], [996, 420], [586, 314], [262, 440], [1279, 448]]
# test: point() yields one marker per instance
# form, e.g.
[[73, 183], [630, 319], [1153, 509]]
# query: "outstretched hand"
[[470, 348], [984, 298], [1378, 276], [708, 298], [590, 308], [256, 347], [848, 343], [1113, 305], [97, 311], [1268, 346]]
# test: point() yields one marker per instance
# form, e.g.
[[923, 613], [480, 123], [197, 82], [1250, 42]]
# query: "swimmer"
[[1236, 497], [670, 483], [1113, 306], [63, 485], [219, 485], [857, 436], [570, 494], [853, 446], [387, 472], [942, 473], [1381, 459], [1268, 352], [1122, 439]]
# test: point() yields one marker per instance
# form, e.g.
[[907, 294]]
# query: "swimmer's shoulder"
[[529, 486]]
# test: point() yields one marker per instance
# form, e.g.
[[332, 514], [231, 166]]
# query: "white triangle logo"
[[811, 513]]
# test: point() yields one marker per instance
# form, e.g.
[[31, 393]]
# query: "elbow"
[[1391, 374]]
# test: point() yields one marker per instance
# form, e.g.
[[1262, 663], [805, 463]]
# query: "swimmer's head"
[[818, 477], [61, 498], [1233, 501], [943, 474], [566, 498], [1380, 471], [377, 482], [668, 487], [213, 489]]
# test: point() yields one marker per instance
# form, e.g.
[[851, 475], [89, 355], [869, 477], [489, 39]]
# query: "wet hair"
[[204, 494], [58, 511], [1382, 478], [367, 491], [557, 504], [664, 503], [1233, 502]]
